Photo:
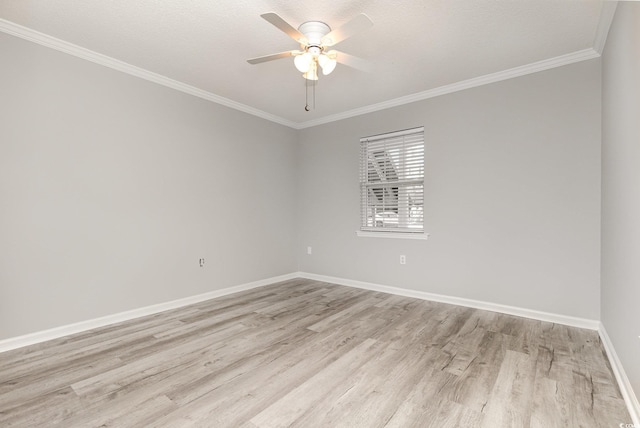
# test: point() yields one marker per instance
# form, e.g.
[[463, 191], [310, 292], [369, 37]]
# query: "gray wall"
[[621, 187], [512, 193], [112, 188]]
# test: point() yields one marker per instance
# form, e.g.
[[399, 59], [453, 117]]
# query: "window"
[[392, 182]]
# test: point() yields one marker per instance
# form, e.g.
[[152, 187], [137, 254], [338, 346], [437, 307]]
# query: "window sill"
[[393, 235]]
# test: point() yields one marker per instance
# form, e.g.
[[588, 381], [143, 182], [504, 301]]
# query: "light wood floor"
[[310, 354]]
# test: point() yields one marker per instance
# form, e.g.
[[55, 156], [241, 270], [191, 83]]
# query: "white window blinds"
[[392, 182]]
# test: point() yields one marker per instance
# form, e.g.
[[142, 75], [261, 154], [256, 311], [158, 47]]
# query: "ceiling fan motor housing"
[[314, 31]]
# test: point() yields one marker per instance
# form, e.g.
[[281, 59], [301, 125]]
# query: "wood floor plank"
[[47, 408], [13, 395], [97, 411], [371, 395], [250, 385], [473, 387], [87, 348], [307, 353], [122, 375], [548, 408], [423, 404], [356, 305], [509, 404], [287, 409]]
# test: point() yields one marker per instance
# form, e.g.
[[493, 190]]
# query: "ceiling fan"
[[315, 38]]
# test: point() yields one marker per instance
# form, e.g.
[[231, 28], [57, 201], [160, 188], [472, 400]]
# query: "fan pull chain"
[[306, 94]]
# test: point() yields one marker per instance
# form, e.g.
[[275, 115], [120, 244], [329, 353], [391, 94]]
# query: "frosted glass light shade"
[[329, 66], [322, 60], [303, 62]]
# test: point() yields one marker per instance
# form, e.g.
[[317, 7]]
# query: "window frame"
[[391, 174]]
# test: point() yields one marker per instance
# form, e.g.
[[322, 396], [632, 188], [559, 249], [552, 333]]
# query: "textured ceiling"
[[414, 45]]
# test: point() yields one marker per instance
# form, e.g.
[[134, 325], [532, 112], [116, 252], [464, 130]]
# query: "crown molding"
[[606, 17], [523, 70], [604, 24], [97, 58]]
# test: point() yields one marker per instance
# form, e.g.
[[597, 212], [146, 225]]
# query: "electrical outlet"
[[201, 262], [309, 250], [403, 259]]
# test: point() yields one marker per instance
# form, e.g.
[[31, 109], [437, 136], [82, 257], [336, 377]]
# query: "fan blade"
[[351, 61], [273, 56], [356, 25], [275, 19]]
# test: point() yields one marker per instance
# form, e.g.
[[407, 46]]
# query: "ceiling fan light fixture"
[[322, 60], [303, 62], [327, 64]]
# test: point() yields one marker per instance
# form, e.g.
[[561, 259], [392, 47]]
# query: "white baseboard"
[[477, 304], [623, 381], [65, 330]]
